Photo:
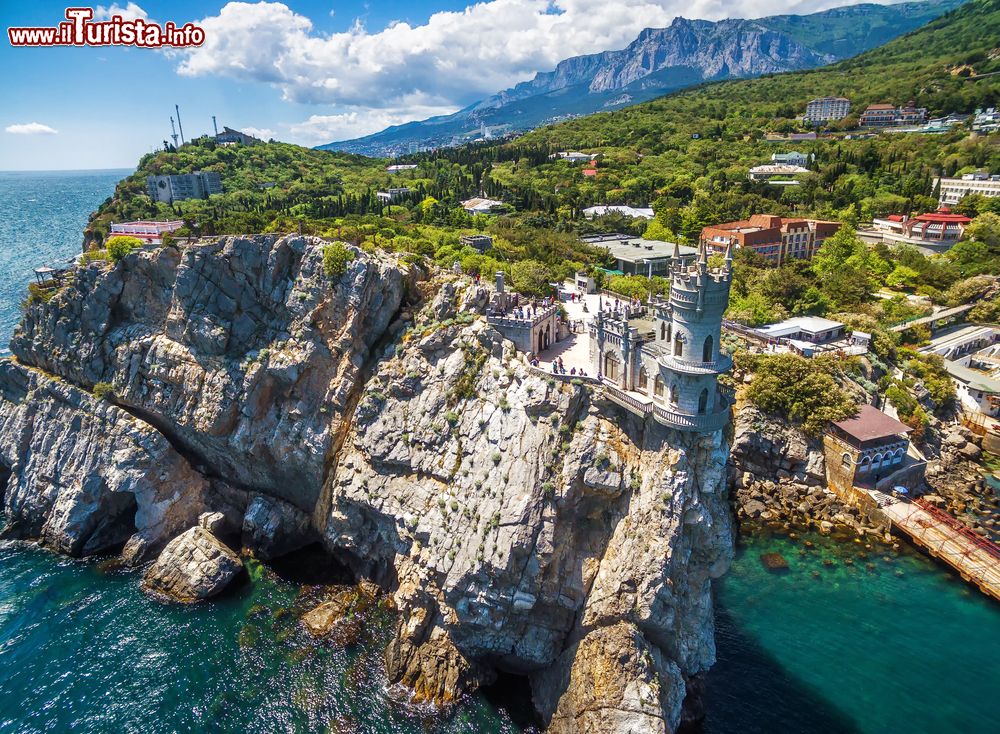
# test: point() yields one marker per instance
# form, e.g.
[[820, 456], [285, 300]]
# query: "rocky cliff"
[[520, 523]]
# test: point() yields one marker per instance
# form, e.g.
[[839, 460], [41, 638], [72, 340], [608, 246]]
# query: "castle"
[[664, 360]]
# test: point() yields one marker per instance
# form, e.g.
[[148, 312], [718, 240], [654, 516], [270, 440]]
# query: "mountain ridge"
[[659, 61]]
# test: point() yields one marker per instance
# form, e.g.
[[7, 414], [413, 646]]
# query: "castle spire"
[[729, 257]]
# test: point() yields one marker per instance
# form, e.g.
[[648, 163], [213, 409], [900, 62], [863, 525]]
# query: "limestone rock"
[[85, 476], [272, 528], [193, 566], [611, 682]]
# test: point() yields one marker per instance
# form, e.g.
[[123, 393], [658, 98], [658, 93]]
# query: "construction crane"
[[180, 125], [173, 131]]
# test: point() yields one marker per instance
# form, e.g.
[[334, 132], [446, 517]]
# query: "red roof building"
[[939, 226], [779, 239]]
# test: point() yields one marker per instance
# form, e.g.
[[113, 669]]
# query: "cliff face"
[[528, 528], [521, 524]]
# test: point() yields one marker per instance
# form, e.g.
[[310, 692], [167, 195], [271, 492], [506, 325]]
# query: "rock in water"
[[194, 566], [774, 561]]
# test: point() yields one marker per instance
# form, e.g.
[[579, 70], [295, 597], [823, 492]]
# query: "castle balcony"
[[723, 364], [664, 415]]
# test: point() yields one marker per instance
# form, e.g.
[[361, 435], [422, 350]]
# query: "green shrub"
[[801, 390], [119, 247], [452, 417], [336, 257], [104, 391]]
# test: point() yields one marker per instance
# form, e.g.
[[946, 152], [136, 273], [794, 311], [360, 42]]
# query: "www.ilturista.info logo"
[[78, 30]]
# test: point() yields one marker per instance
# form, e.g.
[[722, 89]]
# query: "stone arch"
[[708, 349], [845, 460], [658, 386], [876, 461], [703, 400], [864, 465], [897, 457]]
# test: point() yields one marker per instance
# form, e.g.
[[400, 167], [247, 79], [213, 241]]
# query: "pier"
[[976, 559]]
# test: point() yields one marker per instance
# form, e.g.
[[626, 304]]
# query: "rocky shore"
[[188, 403]]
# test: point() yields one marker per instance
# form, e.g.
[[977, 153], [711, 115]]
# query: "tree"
[[336, 257], [530, 278], [119, 247]]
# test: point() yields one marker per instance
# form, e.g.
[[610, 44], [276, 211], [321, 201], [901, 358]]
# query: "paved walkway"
[[574, 349], [976, 559]]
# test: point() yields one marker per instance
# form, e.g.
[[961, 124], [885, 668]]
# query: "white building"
[[197, 185], [397, 167], [572, 156], [793, 158], [392, 195], [987, 120], [977, 391], [626, 211], [824, 109], [479, 205], [953, 189], [770, 170], [149, 232]]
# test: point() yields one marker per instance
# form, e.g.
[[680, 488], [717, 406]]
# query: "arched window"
[[703, 400], [678, 346], [663, 331], [658, 386], [643, 379], [898, 457], [675, 395], [876, 461], [846, 460], [864, 465], [706, 352]]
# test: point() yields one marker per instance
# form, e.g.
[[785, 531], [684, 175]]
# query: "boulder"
[[194, 566], [272, 528]]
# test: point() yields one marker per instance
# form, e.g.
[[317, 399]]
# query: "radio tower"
[[180, 125], [173, 131], [215, 127]]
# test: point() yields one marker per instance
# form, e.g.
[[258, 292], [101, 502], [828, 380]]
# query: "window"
[[663, 330], [703, 400], [864, 465], [658, 387], [611, 366], [706, 352], [678, 346], [643, 379], [675, 395], [845, 460]]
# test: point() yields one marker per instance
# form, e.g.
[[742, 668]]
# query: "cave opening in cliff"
[[115, 526], [511, 693], [312, 564], [5, 472]]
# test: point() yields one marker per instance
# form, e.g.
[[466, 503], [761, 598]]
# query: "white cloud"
[[264, 133], [30, 128], [129, 12], [358, 121], [454, 57], [449, 61]]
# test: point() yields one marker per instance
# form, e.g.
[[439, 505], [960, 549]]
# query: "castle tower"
[[690, 359]]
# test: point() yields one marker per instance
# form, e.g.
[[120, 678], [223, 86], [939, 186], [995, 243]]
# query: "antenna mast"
[[173, 130], [215, 127], [180, 124]]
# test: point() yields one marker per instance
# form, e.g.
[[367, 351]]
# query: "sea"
[[849, 639]]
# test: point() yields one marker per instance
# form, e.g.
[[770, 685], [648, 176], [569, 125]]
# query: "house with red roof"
[[939, 227]]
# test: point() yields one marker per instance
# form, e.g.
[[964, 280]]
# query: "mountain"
[[661, 60]]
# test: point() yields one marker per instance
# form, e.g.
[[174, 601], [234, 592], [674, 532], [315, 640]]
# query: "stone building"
[[869, 450], [664, 359], [197, 185], [533, 326]]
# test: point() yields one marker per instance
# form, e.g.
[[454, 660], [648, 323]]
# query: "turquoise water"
[[42, 216], [900, 646], [85, 650]]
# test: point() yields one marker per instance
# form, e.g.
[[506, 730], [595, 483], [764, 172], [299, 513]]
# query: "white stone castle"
[[664, 359]]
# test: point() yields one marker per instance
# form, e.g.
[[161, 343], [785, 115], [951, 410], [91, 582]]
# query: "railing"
[[665, 417], [723, 364], [543, 314], [958, 527]]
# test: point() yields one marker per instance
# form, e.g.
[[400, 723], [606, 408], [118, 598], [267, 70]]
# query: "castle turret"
[[690, 359]]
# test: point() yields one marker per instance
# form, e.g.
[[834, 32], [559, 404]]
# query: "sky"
[[302, 71]]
